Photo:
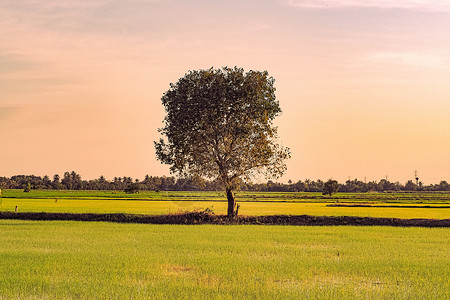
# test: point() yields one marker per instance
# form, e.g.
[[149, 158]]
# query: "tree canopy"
[[219, 124], [330, 187]]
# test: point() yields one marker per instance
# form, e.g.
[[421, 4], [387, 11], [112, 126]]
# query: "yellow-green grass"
[[252, 203], [76, 260], [417, 197], [247, 208]]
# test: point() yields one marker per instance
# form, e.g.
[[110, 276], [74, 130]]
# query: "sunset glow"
[[364, 88]]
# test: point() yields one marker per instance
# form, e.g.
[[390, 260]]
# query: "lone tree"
[[219, 125], [330, 187], [132, 188]]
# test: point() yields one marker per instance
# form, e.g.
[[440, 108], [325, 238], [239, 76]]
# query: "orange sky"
[[363, 87]]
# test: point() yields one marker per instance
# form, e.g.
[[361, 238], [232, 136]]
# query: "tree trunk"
[[231, 202]]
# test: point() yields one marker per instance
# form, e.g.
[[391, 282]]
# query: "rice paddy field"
[[99, 260], [76, 260], [399, 205]]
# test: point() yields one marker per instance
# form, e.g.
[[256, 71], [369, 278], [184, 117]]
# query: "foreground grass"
[[74, 260]]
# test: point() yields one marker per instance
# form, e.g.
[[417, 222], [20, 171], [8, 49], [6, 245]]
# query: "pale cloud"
[[423, 5], [46, 5], [12, 63], [413, 59], [79, 15], [45, 33], [8, 111]]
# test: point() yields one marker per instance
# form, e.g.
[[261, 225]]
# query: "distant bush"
[[330, 187], [132, 188], [27, 188]]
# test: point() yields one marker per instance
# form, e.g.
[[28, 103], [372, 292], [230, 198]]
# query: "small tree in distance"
[[132, 188], [219, 125], [330, 187]]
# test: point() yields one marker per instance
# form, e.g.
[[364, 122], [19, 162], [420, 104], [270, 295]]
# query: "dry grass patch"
[[177, 270]]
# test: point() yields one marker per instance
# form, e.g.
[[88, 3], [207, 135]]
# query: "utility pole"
[[416, 177]]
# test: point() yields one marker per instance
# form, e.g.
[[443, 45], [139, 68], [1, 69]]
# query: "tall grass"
[[74, 260]]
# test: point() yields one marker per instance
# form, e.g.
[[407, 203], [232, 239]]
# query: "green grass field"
[[75, 260], [92, 260], [435, 205]]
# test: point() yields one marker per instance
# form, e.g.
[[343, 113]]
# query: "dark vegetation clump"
[[27, 188], [330, 187], [132, 188], [208, 217]]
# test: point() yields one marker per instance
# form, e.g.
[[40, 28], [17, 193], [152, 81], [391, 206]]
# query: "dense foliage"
[[73, 181], [330, 187]]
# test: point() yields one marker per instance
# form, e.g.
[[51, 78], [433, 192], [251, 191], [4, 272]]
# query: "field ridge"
[[201, 217]]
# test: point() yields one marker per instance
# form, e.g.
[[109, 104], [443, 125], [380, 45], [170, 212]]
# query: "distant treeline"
[[73, 181]]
